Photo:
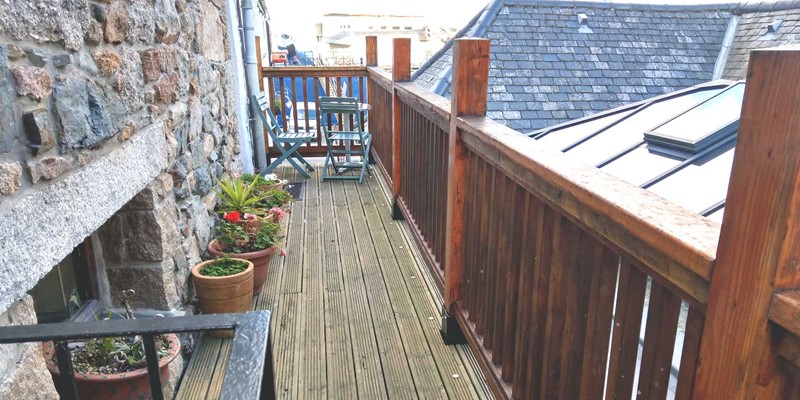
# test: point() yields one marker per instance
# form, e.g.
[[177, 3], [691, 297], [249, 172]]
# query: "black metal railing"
[[246, 366]]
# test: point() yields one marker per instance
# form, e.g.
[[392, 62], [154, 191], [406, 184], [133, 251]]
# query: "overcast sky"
[[298, 17]]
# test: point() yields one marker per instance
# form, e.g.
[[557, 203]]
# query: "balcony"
[[475, 263], [567, 282]]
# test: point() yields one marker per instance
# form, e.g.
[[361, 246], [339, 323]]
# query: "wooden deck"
[[354, 315]]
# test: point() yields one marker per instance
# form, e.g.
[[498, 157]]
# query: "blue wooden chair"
[[287, 142], [348, 108]]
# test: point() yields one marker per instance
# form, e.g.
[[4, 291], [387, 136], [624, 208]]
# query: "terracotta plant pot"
[[126, 385], [267, 188], [224, 294], [260, 260]]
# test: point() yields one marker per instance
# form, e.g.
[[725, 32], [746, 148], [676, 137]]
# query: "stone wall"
[[115, 118]]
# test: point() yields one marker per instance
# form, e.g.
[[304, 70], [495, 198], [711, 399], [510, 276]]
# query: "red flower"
[[232, 216]]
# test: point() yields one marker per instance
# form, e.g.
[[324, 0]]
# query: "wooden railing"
[[379, 94], [424, 132], [570, 283], [292, 89]]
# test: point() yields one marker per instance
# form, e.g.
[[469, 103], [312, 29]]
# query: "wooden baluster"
[[758, 245], [260, 66], [293, 86], [305, 102], [470, 84], [401, 72], [261, 88]]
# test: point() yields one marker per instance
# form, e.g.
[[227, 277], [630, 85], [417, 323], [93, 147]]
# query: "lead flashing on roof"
[[772, 30], [583, 23], [725, 51]]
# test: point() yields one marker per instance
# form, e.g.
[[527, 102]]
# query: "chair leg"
[[293, 151], [328, 159], [286, 156], [300, 158], [364, 162]]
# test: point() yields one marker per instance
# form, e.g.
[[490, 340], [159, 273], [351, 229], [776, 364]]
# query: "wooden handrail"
[[667, 240], [319, 72], [381, 77], [784, 310], [433, 106]]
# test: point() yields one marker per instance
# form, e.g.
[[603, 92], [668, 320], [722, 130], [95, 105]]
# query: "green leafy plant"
[[274, 198], [223, 266], [74, 301], [254, 180], [246, 235], [237, 196], [113, 355]]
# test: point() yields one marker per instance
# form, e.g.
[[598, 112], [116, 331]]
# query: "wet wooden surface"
[[355, 312]]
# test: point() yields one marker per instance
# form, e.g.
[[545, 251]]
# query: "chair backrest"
[[347, 106], [267, 118]]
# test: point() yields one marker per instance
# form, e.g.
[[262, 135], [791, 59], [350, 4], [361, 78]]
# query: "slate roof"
[[752, 33], [545, 71]]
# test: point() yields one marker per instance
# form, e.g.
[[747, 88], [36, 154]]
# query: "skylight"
[[702, 126], [678, 145]]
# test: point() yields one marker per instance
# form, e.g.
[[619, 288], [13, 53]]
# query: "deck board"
[[353, 311]]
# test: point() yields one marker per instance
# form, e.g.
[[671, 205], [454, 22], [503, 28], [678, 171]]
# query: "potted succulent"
[[114, 368], [248, 237], [224, 285], [235, 195]]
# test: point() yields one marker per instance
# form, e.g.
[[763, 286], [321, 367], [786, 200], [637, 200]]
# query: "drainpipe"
[[251, 75]]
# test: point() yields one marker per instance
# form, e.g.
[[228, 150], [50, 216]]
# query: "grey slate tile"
[[545, 72]]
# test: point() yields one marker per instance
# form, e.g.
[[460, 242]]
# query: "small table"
[[362, 108]]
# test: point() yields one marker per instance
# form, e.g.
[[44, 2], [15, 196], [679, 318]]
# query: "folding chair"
[[349, 109], [287, 142]]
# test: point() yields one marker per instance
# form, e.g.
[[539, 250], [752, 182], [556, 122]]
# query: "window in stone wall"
[[70, 283]]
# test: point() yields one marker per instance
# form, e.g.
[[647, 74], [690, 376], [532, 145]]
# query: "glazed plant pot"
[[224, 294], [260, 260], [122, 386]]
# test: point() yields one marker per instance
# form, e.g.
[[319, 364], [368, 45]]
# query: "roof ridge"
[[480, 22], [766, 6], [631, 5]]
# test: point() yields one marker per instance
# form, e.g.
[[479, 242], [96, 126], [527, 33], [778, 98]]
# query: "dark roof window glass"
[[614, 142], [563, 138], [630, 131], [703, 125], [701, 184], [640, 165]]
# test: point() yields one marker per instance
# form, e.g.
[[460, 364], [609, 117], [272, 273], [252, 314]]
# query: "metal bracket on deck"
[[451, 332], [397, 214]]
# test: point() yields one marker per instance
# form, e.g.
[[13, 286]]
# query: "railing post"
[[401, 72], [758, 248], [372, 51], [260, 66], [470, 83]]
